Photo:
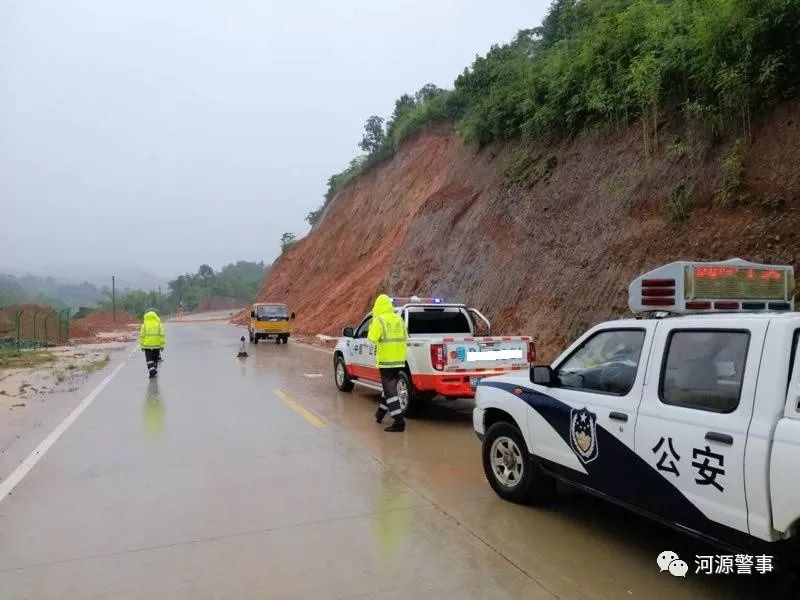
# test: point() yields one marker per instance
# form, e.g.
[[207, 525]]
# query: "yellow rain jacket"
[[151, 334], [388, 332]]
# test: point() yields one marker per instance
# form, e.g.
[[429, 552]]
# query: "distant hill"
[[47, 290], [127, 277], [130, 277]]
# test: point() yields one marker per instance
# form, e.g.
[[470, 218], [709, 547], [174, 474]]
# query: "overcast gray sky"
[[169, 133]]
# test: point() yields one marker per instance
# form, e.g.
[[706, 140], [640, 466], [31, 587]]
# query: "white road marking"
[[10, 482], [309, 346], [312, 375]]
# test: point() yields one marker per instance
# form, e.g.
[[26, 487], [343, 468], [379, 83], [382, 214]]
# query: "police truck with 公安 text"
[[693, 420]]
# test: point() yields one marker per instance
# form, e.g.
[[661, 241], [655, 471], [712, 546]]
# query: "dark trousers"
[[152, 356], [389, 400]]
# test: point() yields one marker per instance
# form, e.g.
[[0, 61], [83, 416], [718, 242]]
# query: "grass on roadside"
[[96, 365], [26, 359]]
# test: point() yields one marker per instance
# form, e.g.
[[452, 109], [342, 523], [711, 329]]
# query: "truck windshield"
[[272, 312], [438, 320]]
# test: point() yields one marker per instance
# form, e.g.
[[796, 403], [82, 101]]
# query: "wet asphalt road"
[[257, 479]]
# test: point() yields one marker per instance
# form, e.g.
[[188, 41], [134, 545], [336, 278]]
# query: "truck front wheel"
[[340, 376], [511, 472]]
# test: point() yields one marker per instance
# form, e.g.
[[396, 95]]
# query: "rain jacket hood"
[[382, 306]]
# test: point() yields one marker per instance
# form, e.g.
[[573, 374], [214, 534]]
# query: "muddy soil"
[[98, 324]]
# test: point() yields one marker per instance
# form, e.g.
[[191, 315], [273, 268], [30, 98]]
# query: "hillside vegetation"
[[607, 63], [239, 280]]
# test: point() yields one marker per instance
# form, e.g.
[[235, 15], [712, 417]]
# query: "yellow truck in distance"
[[270, 320]]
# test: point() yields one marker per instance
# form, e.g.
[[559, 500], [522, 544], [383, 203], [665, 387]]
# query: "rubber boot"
[[379, 414], [398, 425]]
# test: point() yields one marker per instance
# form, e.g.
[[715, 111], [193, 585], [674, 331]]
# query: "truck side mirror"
[[253, 314], [292, 316], [543, 375], [347, 332]]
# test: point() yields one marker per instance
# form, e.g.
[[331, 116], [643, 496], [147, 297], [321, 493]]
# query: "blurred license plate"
[[474, 381]]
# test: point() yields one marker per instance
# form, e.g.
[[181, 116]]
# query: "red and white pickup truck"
[[444, 355]]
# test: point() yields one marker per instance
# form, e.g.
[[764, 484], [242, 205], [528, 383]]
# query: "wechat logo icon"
[[669, 561]]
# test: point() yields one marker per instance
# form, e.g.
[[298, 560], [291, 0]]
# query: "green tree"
[[427, 93], [287, 241], [645, 84], [205, 272], [239, 280], [402, 106], [312, 218], [373, 134]]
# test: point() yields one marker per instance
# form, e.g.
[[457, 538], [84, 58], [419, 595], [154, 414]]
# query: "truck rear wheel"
[[411, 399], [255, 338], [340, 376], [511, 472]]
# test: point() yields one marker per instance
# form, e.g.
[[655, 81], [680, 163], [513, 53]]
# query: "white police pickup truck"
[[692, 420], [444, 354]]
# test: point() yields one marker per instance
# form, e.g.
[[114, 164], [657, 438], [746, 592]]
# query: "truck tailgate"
[[486, 353]]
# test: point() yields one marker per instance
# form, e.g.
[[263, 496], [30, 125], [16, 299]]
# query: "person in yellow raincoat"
[[388, 332], [151, 340]]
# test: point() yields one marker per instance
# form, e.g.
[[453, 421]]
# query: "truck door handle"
[[618, 416], [722, 438]]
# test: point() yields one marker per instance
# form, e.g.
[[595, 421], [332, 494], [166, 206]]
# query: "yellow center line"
[[300, 409]]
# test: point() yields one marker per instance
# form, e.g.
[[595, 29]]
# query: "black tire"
[[786, 563], [277, 339], [415, 399], [530, 485], [341, 379], [255, 338], [250, 335], [286, 339]]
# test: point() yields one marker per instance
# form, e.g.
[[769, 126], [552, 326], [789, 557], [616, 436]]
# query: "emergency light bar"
[[730, 285], [400, 301]]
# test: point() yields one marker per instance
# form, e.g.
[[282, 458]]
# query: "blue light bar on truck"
[[733, 285]]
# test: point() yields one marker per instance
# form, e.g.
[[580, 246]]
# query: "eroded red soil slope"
[[545, 239]]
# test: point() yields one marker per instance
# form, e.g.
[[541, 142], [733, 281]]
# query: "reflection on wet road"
[[153, 412], [228, 478]]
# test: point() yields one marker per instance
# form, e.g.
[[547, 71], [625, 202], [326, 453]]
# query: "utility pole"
[[114, 298], [160, 308]]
